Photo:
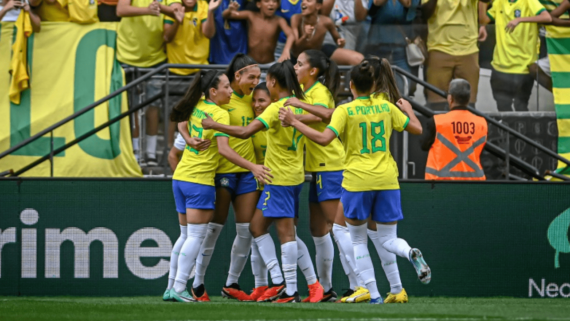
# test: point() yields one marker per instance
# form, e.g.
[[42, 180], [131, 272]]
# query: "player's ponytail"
[[201, 85], [362, 76], [384, 78], [285, 75], [327, 69], [239, 64]]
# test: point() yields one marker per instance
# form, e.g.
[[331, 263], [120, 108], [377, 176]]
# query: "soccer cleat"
[[316, 293], [360, 295], [257, 292], [329, 296], [284, 298], [346, 295], [377, 300], [234, 292], [199, 294], [184, 296], [166, 296], [422, 269], [272, 293], [401, 297]]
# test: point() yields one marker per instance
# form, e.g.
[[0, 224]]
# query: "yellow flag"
[[70, 67], [18, 63]]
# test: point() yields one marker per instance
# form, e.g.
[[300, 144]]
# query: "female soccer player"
[[234, 184], [260, 100], [193, 180], [280, 199], [370, 183], [326, 163]]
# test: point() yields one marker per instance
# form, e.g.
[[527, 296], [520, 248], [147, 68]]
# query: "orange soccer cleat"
[[258, 292], [284, 298], [200, 294], [316, 293], [272, 293], [234, 292]]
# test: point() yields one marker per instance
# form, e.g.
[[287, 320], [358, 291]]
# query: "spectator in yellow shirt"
[[188, 36], [515, 50], [452, 46], [50, 10], [140, 44]]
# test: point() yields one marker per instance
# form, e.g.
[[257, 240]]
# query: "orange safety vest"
[[459, 139]]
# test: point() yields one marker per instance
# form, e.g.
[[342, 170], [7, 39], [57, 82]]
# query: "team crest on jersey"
[[195, 21], [225, 182], [517, 13]]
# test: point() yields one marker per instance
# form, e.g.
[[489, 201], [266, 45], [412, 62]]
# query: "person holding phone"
[[10, 10]]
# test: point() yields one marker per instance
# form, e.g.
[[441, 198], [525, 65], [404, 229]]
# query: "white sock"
[[174, 255], [240, 252], [324, 260], [206, 251], [188, 254], [352, 280], [345, 247], [151, 146], [388, 236], [389, 263], [304, 261], [267, 251], [362, 258], [136, 144], [289, 262], [258, 267]]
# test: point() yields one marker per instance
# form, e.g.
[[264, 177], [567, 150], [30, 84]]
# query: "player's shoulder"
[[326, 20]]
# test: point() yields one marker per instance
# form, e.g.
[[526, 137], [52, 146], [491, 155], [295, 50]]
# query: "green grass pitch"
[[152, 308]]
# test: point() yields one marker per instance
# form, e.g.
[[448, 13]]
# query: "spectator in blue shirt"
[[230, 38], [391, 23]]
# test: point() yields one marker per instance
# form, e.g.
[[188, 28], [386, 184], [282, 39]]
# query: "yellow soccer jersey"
[[367, 125], [140, 39], [259, 146], [52, 12], [284, 154], [241, 114], [200, 166], [81, 11], [189, 46], [514, 52], [453, 28], [322, 158]]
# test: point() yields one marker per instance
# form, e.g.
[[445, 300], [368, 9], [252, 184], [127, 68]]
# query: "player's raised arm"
[[235, 131]]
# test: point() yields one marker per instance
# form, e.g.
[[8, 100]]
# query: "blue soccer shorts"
[[325, 186], [385, 206], [192, 195], [237, 183], [280, 201]]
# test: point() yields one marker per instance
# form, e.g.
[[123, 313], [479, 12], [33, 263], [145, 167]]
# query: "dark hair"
[[362, 75], [262, 86], [460, 90], [203, 81], [285, 75], [326, 67], [385, 81], [320, 1], [240, 61]]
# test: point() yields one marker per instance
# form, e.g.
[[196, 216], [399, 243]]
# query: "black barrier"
[[113, 238]]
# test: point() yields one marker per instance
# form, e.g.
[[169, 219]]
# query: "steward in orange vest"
[[455, 139]]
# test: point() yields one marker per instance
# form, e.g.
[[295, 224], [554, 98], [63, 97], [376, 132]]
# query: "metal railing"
[[165, 95], [490, 147]]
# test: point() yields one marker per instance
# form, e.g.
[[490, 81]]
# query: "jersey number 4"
[[377, 132]]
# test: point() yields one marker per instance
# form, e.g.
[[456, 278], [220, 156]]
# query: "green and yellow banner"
[[70, 67], [558, 46]]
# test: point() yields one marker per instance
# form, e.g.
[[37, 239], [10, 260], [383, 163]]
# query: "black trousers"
[[511, 89]]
